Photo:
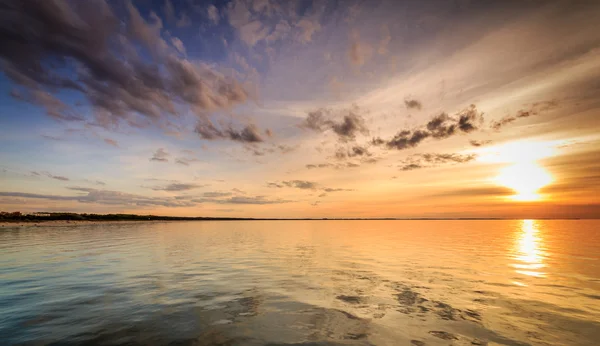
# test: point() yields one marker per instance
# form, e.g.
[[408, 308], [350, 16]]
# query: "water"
[[302, 282]]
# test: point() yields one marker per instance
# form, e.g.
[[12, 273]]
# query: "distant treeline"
[[17, 216], [43, 216]]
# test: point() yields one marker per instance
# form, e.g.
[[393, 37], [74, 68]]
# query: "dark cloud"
[[299, 184], [346, 124], [448, 158], [479, 143], [412, 104], [215, 194], [249, 134], [160, 155], [407, 139], [320, 165], [534, 109], [354, 151], [177, 187], [53, 46], [329, 189], [427, 160], [333, 165], [439, 127], [410, 167]]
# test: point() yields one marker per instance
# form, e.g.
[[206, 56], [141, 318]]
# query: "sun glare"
[[525, 178]]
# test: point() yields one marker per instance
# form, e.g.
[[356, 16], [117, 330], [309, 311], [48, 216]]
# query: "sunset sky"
[[301, 108]]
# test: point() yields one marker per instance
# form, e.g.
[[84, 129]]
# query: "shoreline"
[[67, 223]]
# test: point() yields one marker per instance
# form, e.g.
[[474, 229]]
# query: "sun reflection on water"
[[529, 250]]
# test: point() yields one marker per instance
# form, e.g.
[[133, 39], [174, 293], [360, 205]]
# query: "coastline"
[[68, 223]]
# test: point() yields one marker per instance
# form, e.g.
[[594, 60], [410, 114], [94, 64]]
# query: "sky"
[[301, 109]]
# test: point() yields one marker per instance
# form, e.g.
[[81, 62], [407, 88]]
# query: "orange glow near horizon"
[[525, 178], [525, 175]]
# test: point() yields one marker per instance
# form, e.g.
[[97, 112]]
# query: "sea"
[[322, 282]]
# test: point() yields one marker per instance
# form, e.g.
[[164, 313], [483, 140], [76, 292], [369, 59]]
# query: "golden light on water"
[[529, 250]]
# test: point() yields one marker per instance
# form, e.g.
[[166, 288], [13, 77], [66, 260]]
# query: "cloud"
[[50, 175], [94, 55], [217, 194], [177, 187], [249, 134], [253, 32], [351, 123], [358, 52], [185, 160], [329, 189], [354, 151], [299, 184], [410, 167], [304, 185], [111, 142], [258, 200], [476, 143], [160, 155], [427, 160], [321, 165], [406, 139], [413, 104], [446, 158], [307, 29], [281, 30], [106, 197], [213, 14], [178, 45], [439, 127], [535, 109], [333, 165], [476, 192]]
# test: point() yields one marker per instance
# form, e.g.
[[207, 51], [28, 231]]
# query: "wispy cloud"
[[177, 187], [160, 155], [419, 161]]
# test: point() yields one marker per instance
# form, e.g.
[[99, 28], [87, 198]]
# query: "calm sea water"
[[302, 283]]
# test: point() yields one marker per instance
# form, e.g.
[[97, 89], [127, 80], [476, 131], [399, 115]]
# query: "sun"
[[525, 178]]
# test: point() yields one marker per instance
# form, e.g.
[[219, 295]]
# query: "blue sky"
[[300, 108]]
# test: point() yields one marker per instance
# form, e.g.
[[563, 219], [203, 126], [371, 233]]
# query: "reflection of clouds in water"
[[528, 250]]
